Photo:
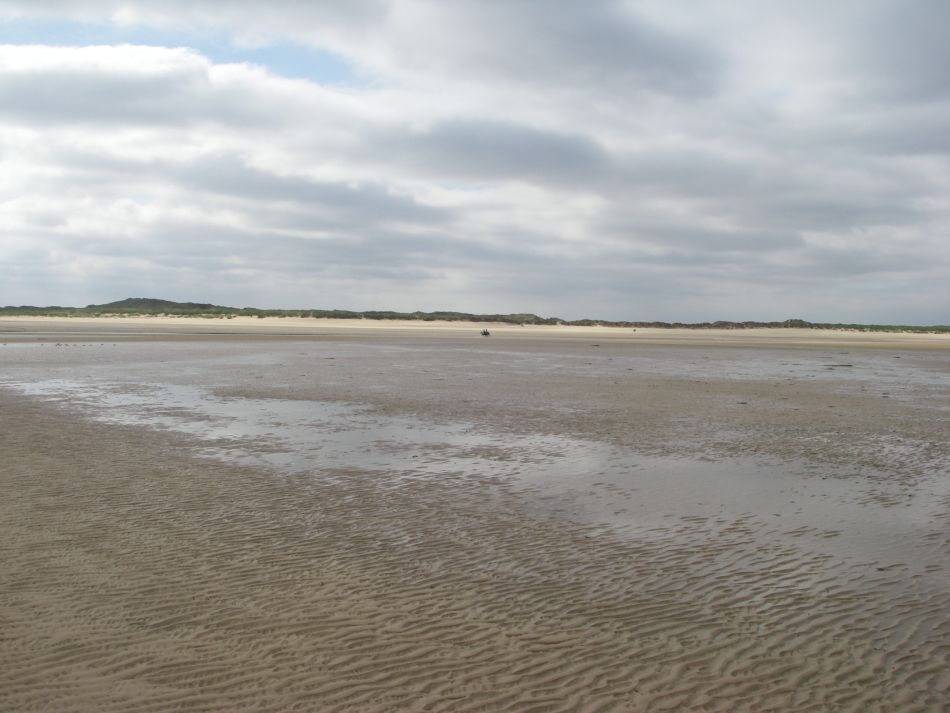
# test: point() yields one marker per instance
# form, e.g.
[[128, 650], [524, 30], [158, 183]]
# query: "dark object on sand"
[[486, 333]]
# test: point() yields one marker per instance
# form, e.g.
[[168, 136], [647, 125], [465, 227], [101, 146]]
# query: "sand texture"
[[434, 521]]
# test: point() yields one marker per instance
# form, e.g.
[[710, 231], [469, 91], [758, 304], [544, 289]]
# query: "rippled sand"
[[403, 522]]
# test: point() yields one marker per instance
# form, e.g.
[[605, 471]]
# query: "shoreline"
[[69, 328]]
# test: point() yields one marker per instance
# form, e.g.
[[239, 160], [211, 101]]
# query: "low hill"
[[152, 305]]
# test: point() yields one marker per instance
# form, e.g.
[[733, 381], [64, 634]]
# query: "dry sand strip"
[[153, 327], [134, 576]]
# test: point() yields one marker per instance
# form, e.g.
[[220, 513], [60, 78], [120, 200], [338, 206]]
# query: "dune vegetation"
[[145, 306]]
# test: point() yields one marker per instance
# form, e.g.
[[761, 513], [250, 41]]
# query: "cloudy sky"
[[701, 160]]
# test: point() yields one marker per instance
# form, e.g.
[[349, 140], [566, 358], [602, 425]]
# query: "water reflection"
[[578, 479]]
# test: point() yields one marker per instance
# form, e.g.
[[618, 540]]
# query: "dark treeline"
[[141, 306]]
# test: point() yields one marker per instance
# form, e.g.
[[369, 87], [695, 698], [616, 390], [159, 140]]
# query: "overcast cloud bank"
[[617, 160]]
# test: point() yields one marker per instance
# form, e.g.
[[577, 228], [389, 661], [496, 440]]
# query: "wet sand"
[[423, 519]]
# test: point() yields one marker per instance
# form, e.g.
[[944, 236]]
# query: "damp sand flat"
[[405, 522]]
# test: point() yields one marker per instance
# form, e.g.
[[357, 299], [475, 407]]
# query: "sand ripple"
[[135, 577]]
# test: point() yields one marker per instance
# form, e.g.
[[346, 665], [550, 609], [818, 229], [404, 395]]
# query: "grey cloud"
[[899, 130], [705, 244], [300, 203], [197, 247], [485, 149], [697, 172], [903, 48], [82, 96], [366, 203], [841, 212], [567, 45], [788, 190]]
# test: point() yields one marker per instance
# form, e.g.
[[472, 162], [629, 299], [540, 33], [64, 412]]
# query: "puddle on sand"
[[312, 436], [584, 481]]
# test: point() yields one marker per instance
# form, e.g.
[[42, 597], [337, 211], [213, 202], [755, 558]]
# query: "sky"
[[641, 160]]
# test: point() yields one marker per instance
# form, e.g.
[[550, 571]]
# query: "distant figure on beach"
[[486, 333]]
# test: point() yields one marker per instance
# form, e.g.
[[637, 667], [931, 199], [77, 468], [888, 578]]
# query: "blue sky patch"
[[290, 60]]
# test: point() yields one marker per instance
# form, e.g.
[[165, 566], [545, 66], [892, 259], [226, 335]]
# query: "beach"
[[330, 515]]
